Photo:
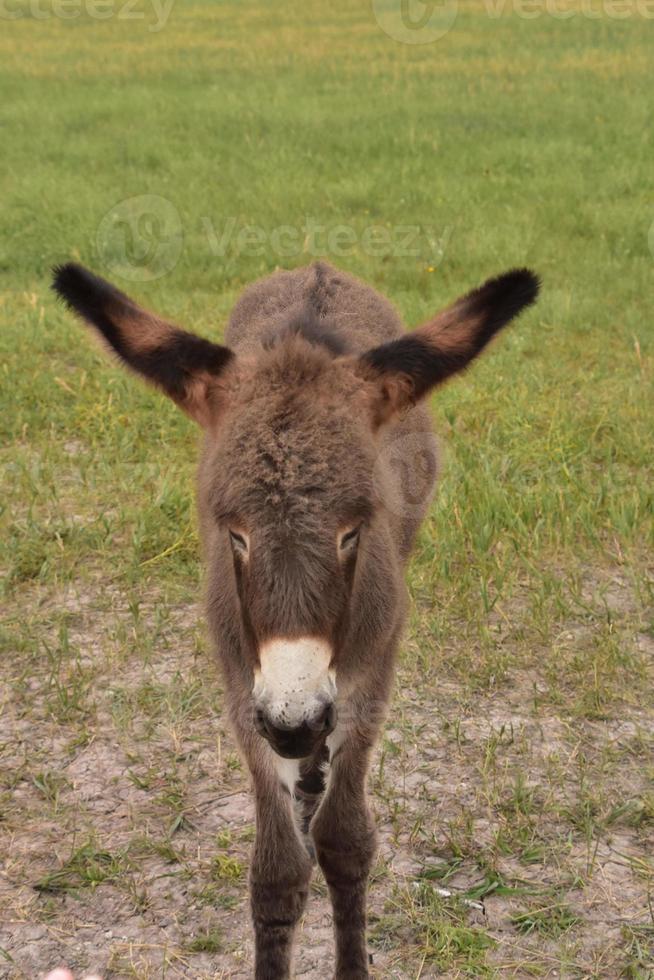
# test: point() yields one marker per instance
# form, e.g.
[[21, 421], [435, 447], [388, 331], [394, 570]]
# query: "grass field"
[[517, 769]]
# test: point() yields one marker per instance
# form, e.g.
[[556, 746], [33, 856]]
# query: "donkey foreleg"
[[279, 881], [344, 835]]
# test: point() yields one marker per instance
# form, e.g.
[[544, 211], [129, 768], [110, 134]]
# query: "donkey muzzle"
[[300, 741], [294, 694]]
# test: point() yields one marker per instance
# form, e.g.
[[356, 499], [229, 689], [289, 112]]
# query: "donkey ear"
[[408, 368], [184, 366]]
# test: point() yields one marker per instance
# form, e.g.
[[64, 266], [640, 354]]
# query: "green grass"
[[207, 942], [518, 761], [551, 920], [87, 867]]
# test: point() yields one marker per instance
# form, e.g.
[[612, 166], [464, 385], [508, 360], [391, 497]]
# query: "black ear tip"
[[522, 284], [67, 279], [83, 292]]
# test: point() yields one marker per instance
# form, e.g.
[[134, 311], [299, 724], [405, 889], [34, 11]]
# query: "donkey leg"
[[345, 839], [279, 880]]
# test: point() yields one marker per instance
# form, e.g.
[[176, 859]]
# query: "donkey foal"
[[317, 468]]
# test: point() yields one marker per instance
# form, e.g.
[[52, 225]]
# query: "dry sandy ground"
[[126, 819]]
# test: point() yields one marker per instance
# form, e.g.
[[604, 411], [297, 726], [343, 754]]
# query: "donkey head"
[[301, 554]]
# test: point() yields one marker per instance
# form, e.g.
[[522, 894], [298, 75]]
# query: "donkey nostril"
[[331, 717], [260, 721], [326, 721], [299, 740]]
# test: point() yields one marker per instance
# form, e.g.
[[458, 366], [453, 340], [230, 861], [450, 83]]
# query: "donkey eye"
[[238, 542], [350, 539]]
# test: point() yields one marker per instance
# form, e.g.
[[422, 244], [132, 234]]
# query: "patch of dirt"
[[127, 819]]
